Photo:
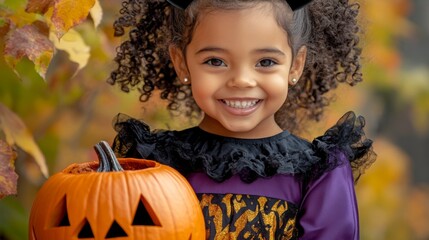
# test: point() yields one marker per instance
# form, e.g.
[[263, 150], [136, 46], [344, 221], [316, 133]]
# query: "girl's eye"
[[215, 62], [266, 63]]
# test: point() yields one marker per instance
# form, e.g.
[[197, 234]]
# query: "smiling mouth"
[[241, 104]]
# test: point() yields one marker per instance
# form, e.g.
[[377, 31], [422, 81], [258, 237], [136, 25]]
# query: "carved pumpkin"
[[144, 200]]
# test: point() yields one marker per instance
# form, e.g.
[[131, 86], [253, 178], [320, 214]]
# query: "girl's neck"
[[210, 125]]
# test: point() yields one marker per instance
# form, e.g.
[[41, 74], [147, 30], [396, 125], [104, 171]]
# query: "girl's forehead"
[[262, 6], [237, 19], [238, 27], [266, 9]]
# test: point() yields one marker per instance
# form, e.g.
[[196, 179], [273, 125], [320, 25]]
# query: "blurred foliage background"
[[67, 111]]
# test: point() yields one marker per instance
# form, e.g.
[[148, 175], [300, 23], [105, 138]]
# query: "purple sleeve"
[[329, 207]]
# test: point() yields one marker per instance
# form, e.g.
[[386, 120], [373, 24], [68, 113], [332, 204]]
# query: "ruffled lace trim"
[[221, 157], [346, 137]]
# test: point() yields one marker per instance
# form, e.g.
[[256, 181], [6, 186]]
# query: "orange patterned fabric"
[[237, 216]]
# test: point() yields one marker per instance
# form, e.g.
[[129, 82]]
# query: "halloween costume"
[[279, 187]]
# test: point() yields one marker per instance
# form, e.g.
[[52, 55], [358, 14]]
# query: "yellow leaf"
[[96, 13], [17, 133], [73, 43], [69, 13]]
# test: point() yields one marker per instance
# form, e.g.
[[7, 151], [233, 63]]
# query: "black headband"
[[294, 4]]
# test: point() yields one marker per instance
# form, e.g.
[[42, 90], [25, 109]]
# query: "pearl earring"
[[294, 81], [185, 80]]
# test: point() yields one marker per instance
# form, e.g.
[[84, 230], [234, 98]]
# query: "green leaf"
[[14, 4]]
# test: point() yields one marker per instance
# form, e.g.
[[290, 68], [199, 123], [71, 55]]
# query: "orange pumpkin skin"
[[79, 197]]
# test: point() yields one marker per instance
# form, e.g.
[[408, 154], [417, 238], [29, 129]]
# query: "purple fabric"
[[284, 187], [329, 208]]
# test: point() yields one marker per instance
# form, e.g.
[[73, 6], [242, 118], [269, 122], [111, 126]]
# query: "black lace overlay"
[[194, 150], [346, 137]]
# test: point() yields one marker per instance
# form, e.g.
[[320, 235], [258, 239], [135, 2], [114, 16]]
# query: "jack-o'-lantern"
[[127, 199]]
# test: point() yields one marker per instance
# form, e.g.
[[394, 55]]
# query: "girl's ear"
[[298, 65], [179, 63]]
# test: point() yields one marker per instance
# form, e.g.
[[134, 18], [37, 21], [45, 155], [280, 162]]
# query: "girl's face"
[[240, 65]]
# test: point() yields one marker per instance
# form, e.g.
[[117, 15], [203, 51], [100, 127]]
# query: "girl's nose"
[[242, 79]]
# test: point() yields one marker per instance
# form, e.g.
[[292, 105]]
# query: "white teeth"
[[240, 104]]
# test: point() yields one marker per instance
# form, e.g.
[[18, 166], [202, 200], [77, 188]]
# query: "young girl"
[[254, 69]]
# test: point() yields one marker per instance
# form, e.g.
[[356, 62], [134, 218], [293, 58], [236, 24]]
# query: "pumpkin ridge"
[[165, 194], [96, 212]]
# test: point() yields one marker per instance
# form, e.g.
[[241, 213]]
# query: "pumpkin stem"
[[107, 158], [104, 164]]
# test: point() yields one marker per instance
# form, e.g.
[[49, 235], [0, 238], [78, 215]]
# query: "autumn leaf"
[[4, 26], [16, 16], [17, 133], [68, 13], [30, 41], [39, 6], [96, 13], [65, 14], [73, 43], [8, 176]]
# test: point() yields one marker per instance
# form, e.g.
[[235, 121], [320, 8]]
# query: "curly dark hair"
[[328, 28]]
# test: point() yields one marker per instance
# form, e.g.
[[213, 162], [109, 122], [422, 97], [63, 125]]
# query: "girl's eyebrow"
[[210, 49], [272, 50]]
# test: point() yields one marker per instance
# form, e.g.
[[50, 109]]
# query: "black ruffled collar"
[[195, 150], [221, 157]]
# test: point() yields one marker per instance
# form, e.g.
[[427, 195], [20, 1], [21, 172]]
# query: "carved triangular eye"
[[60, 216], [145, 216], [86, 231], [116, 230]]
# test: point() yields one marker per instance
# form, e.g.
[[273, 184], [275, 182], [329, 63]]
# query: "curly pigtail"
[[142, 60], [333, 56]]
